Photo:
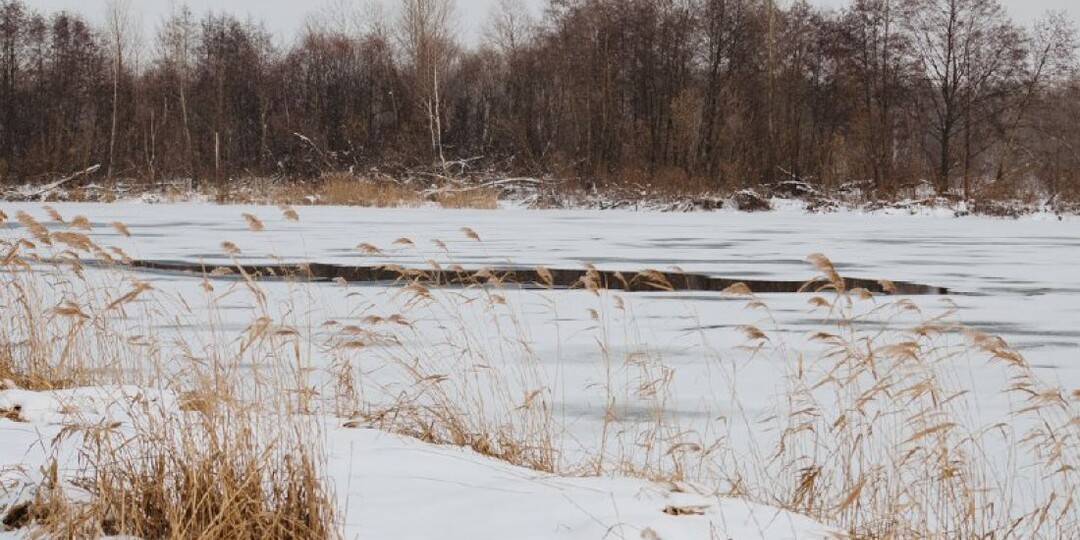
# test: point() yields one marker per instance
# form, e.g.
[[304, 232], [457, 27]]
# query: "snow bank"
[[391, 486], [81, 405], [405, 489]]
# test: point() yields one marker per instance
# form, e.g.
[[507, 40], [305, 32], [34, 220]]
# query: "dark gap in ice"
[[648, 280]]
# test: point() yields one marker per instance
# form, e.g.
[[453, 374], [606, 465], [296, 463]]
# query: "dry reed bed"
[[874, 435], [339, 188], [221, 460], [347, 189], [877, 433]]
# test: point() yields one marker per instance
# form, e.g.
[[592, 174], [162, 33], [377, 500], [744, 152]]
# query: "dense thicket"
[[720, 93]]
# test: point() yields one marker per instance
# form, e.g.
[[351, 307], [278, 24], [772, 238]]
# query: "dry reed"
[[235, 467]]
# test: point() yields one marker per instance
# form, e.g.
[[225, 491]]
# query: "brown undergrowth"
[[379, 191]]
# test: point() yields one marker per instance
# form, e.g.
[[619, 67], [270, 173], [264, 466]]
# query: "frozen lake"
[[1016, 278], [681, 367]]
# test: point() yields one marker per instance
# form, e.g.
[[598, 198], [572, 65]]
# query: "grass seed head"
[[120, 228], [53, 214], [368, 249], [289, 213], [80, 222], [253, 222], [469, 233]]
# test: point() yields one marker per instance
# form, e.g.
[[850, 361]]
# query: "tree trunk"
[[115, 106]]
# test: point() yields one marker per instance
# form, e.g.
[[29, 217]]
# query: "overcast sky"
[[286, 17]]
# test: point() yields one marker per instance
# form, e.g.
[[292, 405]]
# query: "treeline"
[[715, 93]]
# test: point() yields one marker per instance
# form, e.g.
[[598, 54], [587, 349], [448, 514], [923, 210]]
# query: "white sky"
[[286, 17]]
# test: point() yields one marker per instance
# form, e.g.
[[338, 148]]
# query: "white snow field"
[[696, 390]]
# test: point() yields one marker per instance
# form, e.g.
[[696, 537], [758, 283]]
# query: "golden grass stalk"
[[253, 222], [53, 214], [80, 222], [39, 231], [289, 213], [234, 467], [121, 228]]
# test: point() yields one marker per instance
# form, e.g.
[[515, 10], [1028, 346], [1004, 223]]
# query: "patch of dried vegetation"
[[231, 467]]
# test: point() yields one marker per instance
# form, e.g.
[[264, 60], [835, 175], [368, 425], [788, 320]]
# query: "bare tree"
[[1052, 47], [119, 28], [510, 26], [877, 50], [176, 46], [966, 48], [727, 27], [342, 17], [12, 20], [426, 34]]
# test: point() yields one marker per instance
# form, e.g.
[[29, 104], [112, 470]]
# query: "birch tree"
[[426, 35], [119, 29]]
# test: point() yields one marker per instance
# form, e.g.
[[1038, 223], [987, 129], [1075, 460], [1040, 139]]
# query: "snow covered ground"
[[397, 487], [674, 364]]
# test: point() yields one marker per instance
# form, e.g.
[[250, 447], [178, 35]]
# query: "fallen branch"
[[485, 185], [45, 190]]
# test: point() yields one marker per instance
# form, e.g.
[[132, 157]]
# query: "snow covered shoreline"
[[534, 194]]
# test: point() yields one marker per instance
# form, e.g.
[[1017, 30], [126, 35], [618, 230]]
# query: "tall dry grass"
[[337, 188], [233, 454], [348, 189], [874, 433], [479, 198], [877, 432], [473, 381], [218, 470]]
